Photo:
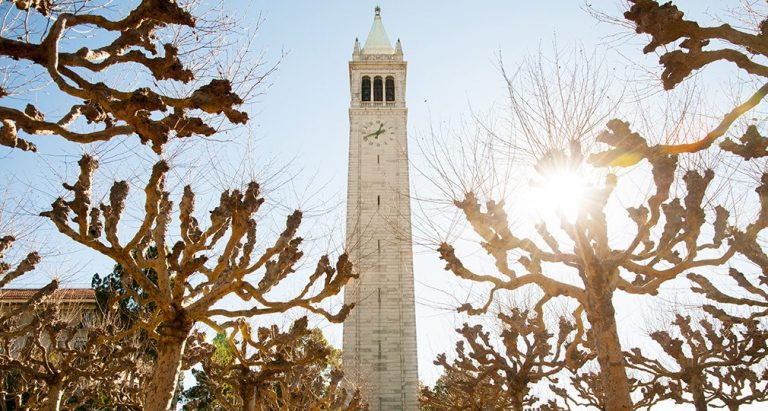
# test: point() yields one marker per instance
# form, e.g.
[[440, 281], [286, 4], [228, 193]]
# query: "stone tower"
[[380, 333]]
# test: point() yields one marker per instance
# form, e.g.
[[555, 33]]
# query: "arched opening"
[[366, 90], [378, 92], [389, 88]]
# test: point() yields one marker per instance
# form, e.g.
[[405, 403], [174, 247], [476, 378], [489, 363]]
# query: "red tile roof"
[[78, 294]]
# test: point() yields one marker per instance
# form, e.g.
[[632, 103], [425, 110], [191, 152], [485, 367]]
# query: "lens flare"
[[559, 194]]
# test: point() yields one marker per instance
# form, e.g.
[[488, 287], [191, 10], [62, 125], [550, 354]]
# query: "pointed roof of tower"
[[377, 41]]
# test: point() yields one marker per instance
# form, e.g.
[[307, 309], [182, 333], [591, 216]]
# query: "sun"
[[559, 193]]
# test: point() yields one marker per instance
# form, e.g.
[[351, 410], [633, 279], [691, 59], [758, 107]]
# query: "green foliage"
[[314, 377], [114, 292], [201, 396], [438, 392], [223, 352]]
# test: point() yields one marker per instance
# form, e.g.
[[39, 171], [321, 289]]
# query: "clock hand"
[[376, 133], [380, 131]]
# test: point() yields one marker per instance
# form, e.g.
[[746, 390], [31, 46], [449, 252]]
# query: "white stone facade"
[[380, 334]]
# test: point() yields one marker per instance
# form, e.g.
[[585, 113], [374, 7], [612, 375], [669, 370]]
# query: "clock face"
[[378, 133]]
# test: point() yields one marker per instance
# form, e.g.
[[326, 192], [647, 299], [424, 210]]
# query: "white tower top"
[[377, 41]]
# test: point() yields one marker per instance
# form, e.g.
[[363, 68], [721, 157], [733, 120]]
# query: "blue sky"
[[451, 50]]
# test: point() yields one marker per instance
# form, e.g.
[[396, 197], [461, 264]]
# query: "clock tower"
[[380, 333]]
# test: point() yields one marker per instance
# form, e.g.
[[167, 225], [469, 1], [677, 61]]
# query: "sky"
[[301, 120]]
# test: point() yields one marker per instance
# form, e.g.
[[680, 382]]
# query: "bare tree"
[[193, 275], [58, 354], [272, 370], [9, 273], [83, 53], [754, 296], [583, 389], [484, 376], [669, 226], [187, 286], [739, 385], [698, 352], [601, 267], [686, 44], [153, 116]]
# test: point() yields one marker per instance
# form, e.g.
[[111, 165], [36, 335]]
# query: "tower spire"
[[378, 41]]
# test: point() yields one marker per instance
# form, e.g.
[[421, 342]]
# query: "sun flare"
[[560, 193]]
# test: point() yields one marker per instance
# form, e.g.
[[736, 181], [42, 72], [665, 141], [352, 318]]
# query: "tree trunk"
[[517, 400], [55, 393], [249, 395], [699, 401], [613, 374], [165, 377]]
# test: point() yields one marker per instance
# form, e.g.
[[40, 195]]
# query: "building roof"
[[378, 41], [63, 294]]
